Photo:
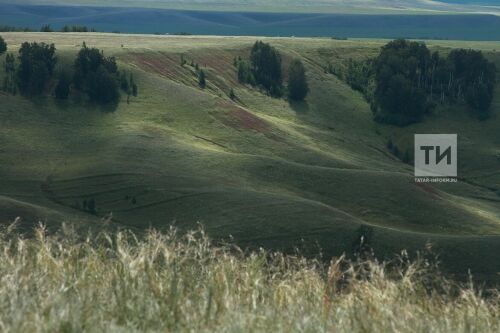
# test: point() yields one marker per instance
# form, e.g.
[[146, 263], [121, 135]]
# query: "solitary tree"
[[201, 79], [297, 82], [3, 46]]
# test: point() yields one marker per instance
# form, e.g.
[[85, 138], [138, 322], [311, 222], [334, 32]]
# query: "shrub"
[[361, 77], [245, 74]]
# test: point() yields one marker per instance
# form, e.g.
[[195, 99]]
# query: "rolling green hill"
[[266, 172]]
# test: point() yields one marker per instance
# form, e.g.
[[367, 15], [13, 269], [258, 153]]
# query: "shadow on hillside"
[[78, 101], [64, 105], [299, 107], [107, 108]]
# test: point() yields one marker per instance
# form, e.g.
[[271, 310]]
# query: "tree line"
[[10, 28], [92, 74], [48, 28], [406, 81], [264, 69], [68, 28]]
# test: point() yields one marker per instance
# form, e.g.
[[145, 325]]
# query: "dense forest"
[[406, 81]]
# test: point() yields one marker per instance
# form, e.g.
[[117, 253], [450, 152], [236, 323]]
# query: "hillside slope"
[[266, 172]]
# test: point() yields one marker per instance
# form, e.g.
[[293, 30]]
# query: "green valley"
[[267, 172]]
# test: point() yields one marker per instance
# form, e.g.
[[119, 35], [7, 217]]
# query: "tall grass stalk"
[[168, 282]]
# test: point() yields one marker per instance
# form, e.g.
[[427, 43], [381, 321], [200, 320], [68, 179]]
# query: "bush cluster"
[[96, 75], [36, 67], [264, 69], [92, 73]]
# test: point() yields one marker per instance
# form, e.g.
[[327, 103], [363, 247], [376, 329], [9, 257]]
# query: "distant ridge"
[[147, 20], [293, 6]]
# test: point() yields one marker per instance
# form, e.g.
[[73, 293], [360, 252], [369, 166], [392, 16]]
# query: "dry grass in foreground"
[[117, 282]]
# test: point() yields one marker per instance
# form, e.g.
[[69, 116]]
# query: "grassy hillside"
[[269, 173]]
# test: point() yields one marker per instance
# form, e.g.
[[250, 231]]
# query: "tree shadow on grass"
[[300, 107], [107, 108], [63, 104], [69, 104]]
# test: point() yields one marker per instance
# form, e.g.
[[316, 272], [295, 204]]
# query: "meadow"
[[258, 171]]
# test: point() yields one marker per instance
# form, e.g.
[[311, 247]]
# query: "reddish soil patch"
[[428, 188], [239, 118], [164, 65], [221, 62], [249, 121], [168, 65]]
